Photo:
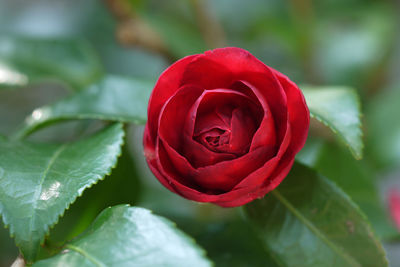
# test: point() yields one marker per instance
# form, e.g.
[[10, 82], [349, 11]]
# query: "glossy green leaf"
[[24, 60], [39, 181], [308, 221], [355, 177], [113, 98], [339, 109], [128, 236], [121, 187]]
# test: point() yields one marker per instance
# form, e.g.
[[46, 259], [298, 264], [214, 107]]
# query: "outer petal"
[[166, 86], [266, 132], [223, 176], [236, 60], [253, 186], [174, 114], [299, 115], [247, 190], [208, 74]]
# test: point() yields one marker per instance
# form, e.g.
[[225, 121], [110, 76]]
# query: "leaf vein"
[[42, 179], [310, 226]]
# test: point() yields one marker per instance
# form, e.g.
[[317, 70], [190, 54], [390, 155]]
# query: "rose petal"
[[210, 121], [166, 86], [299, 115], [174, 114], [196, 153], [223, 176], [267, 86], [255, 184], [206, 73], [243, 128], [220, 177], [243, 198], [265, 134], [236, 60]]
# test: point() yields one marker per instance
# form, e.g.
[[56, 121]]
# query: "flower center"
[[215, 139]]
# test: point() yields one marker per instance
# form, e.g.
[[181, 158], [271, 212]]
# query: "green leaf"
[[39, 181], [129, 236], [339, 109], [384, 128], [113, 98], [121, 187], [24, 60], [230, 243], [355, 177], [308, 221]]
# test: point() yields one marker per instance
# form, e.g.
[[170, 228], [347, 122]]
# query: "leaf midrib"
[[313, 229], [86, 255], [50, 163]]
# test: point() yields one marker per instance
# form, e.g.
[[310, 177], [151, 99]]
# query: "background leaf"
[[128, 236], [339, 109], [384, 128], [230, 243], [39, 181], [113, 98], [25, 60], [355, 177], [308, 221]]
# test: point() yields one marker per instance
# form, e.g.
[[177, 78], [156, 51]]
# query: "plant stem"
[[303, 18], [132, 30]]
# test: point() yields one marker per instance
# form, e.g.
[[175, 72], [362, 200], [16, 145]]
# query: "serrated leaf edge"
[[51, 225], [370, 230], [201, 251]]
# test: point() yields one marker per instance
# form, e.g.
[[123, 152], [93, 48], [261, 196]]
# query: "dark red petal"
[[236, 60], [253, 186], [260, 192], [257, 178], [198, 155], [168, 83], [266, 86], [195, 152], [174, 115], [167, 175], [206, 73], [243, 128], [209, 121], [299, 115], [265, 134], [223, 176]]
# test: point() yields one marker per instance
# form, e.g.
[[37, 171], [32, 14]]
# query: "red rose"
[[223, 127], [394, 206]]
